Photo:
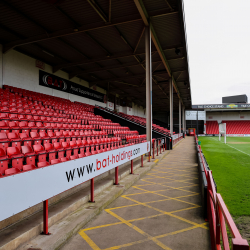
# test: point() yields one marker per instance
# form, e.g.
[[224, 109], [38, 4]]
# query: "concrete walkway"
[[161, 211]]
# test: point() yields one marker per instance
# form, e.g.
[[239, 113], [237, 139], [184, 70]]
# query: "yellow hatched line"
[[179, 188], [171, 198], [119, 223], [168, 213], [156, 237], [169, 179], [89, 241], [139, 230]]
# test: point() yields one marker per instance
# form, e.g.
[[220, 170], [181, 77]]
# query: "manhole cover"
[[90, 207]]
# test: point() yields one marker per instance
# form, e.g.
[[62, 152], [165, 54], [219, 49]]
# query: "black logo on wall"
[[55, 82]]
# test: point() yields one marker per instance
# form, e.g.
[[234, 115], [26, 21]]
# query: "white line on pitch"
[[232, 147]]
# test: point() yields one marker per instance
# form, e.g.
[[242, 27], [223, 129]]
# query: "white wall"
[[20, 71], [220, 116]]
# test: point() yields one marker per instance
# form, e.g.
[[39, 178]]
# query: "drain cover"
[[91, 207]]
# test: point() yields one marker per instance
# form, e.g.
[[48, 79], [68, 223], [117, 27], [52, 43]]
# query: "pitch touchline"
[[233, 147]]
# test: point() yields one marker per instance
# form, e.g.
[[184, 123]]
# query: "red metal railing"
[[219, 217]]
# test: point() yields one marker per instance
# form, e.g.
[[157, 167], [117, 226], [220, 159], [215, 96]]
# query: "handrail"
[[219, 216], [116, 114]]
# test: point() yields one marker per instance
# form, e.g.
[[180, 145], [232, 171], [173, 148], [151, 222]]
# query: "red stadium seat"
[[16, 157], [53, 137], [67, 148], [74, 146], [51, 151], [27, 141], [12, 171], [42, 164], [36, 138], [44, 137], [29, 155], [4, 160], [15, 140], [41, 153], [60, 149], [4, 141], [28, 167], [55, 161], [4, 127], [64, 159], [73, 157]]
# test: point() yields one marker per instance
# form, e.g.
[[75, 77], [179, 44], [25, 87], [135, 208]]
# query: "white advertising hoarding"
[[24, 190], [192, 115]]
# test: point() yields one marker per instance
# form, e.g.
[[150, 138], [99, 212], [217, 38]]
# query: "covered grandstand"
[[235, 115], [91, 91]]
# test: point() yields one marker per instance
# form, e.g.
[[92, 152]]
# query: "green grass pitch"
[[230, 165]]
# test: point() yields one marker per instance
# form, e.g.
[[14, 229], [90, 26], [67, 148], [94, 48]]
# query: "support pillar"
[[179, 116], [183, 120], [148, 85], [171, 118], [116, 176], [46, 217], [92, 189]]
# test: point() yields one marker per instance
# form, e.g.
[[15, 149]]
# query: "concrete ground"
[[160, 211]]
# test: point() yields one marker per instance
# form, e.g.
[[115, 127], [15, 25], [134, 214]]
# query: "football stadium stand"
[[38, 130]]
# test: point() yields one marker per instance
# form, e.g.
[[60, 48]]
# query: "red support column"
[[149, 156], [46, 218], [92, 190], [116, 176], [160, 146], [165, 143], [142, 161], [153, 150], [157, 146], [132, 170]]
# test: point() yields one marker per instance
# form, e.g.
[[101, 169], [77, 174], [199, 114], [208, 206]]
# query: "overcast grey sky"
[[218, 36]]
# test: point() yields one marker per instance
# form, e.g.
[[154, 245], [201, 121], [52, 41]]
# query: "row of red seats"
[[16, 157], [237, 127], [35, 126], [212, 127], [17, 140], [25, 117]]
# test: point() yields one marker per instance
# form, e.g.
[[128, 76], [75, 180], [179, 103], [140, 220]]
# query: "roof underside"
[[102, 42]]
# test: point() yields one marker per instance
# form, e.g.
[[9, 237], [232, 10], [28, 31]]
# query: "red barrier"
[[153, 149], [92, 190], [141, 160], [219, 217], [46, 217], [116, 176], [132, 167]]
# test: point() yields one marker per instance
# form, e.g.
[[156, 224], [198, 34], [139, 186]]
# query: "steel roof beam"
[[146, 19], [120, 79], [98, 10], [71, 75], [61, 33]]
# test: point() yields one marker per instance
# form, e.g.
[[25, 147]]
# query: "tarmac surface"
[[160, 211]]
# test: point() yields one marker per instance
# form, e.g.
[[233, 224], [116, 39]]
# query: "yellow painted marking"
[[172, 198], [89, 241], [156, 160], [139, 230], [168, 213], [156, 237]]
